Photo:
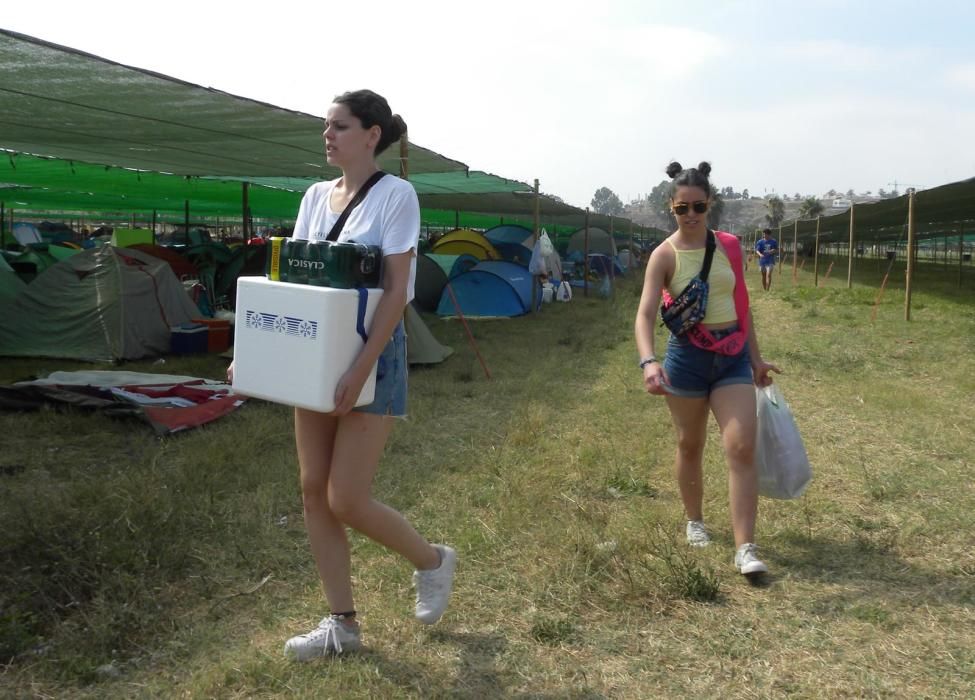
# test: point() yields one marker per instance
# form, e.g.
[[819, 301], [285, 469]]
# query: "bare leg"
[[734, 409], [358, 447], [314, 438], [690, 418]]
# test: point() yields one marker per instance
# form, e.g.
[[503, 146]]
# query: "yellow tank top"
[[721, 281]]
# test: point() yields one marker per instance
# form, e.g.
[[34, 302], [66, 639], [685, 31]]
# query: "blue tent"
[[513, 242], [492, 288]]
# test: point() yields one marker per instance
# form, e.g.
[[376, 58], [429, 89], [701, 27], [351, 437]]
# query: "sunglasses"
[[682, 208]]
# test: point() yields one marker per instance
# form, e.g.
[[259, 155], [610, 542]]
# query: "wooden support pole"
[[849, 262], [585, 262], [816, 255], [910, 257], [535, 224], [795, 251], [404, 156], [612, 260], [961, 250], [781, 254]]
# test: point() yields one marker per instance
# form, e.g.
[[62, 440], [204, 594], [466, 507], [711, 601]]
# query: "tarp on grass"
[[168, 403]]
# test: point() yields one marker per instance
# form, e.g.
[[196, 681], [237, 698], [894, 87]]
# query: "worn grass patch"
[[133, 566]]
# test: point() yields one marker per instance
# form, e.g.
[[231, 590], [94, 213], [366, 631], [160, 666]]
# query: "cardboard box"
[[293, 342]]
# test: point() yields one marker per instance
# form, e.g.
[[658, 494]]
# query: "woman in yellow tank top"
[[696, 380]]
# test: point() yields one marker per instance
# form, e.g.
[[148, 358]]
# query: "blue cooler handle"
[[360, 319]]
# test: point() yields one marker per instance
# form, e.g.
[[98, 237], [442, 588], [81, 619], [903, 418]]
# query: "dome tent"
[[491, 289], [103, 304], [429, 283], [460, 241], [599, 242], [513, 242]]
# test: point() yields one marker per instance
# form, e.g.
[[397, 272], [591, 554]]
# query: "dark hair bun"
[[704, 168], [674, 169], [398, 128]]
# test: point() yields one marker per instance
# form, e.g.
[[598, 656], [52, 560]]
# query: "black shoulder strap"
[[356, 201], [708, 257]]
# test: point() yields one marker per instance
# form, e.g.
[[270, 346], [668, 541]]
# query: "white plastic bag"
[[536, 265], [780, 457], [565, 292], [545, 244]]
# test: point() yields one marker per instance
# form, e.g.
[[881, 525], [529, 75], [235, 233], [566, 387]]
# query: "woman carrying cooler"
[[711, 366], [339, 452]]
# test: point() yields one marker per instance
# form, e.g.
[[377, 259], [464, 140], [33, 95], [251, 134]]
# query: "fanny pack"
[[685, 311]]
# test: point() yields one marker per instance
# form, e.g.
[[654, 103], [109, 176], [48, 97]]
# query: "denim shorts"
[[695, 373], [391, 372]]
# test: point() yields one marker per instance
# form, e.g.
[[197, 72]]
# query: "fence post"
[[910, 257]]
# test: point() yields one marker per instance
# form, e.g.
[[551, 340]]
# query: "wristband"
[[649, 359]]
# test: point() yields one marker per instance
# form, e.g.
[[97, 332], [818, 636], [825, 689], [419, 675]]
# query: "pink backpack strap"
[[732, 248]]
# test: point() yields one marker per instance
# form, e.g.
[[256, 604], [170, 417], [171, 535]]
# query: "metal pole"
[[910, 257], [585, 263], [3, 226], [849, 262], [186, 219], [154, 227], [245, 209], [534, 244]]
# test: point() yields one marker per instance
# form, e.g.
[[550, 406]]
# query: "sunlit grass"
[[134, 566]]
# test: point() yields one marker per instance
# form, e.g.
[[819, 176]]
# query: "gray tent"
[[421, 347], [103, 304]]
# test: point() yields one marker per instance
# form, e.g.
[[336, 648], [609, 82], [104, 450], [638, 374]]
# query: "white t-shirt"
[[389, 217]]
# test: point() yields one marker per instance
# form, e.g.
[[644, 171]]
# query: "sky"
[[780, 97]]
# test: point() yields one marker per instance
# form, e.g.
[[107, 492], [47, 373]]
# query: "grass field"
[[133, 566]]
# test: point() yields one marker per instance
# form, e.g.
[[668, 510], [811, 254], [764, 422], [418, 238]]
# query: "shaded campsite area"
[[166, 566]]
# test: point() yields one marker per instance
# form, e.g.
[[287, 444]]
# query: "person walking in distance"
[[768, 250]]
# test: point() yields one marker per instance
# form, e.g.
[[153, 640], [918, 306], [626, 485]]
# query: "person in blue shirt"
[[767, 249]]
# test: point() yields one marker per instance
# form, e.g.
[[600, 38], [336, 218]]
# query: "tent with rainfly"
[[491, 289], [103, 304], [513, 242], [464, 241], [10, 284]]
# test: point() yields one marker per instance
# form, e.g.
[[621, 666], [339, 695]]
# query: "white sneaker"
[[747, 561], [332, 636], [433, 586], [697, 534]]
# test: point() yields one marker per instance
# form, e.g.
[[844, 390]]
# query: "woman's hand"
[[230, 373], [655, 378], [347, 391], [761, 369]]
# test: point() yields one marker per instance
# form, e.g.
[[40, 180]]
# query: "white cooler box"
[[293, 342]]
